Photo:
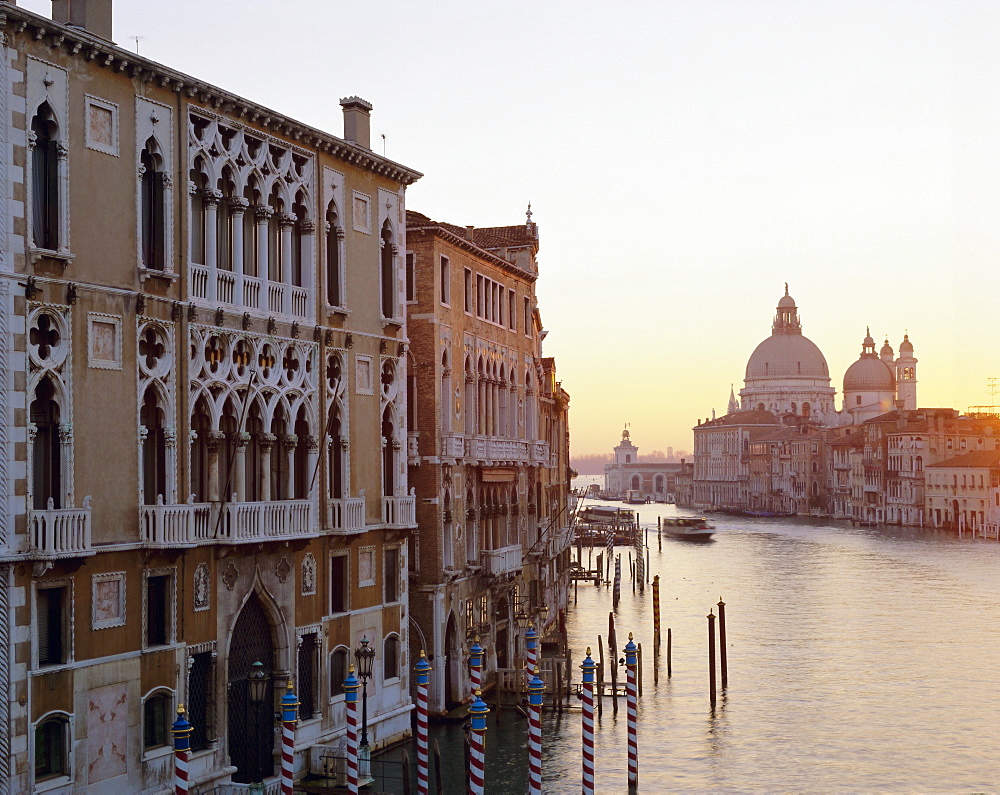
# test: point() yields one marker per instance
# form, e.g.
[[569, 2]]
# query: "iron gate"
[[251, 726]]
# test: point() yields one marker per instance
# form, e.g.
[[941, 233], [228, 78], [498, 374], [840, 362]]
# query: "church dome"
[[886, 349], [783, 355], [906, 347], [786, 300], [869, 374]]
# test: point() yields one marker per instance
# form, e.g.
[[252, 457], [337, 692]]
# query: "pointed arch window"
[[52, 743], [334, 272], [46, 448], [154, 449], [388, 454], [45, 193], [152, 207], [387, 272]]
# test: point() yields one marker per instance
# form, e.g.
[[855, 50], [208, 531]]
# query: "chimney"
[[357, 121], [94, 16], [469, 230]]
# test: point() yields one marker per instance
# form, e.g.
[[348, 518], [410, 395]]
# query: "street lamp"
[[365, 657], [257, 679], [543, 613]]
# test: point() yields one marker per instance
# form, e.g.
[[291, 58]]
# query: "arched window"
[[390, 658], [156, 714], [334, 280], [154, 449], [388, 454], [279, 461], [301, 221], [806, 409], [46, 481], [250, 242], [335, 463], [201, 424], [340, 659], [151, 201], [918, 464], [303, 472], [275, 266], [387, 271], [52, 747], [197, 232], [45, 179]]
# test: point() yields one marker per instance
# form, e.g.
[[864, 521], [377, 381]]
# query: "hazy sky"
[[683, 160]]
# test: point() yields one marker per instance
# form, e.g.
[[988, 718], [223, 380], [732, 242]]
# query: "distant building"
[[654, 480], [960, 491]]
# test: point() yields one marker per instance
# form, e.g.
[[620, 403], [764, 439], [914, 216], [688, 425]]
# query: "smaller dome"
[[905, 346], [786, 300], [869, 374], [886, 349]]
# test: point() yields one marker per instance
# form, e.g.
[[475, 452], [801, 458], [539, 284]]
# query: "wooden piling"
[[711, 657], [656, 610], [438, 781], [723, 663], [639, 671], [406, 773], [669, 643], [600, 675], [647, 564]]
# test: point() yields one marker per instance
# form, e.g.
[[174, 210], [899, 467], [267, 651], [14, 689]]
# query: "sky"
[[683, 161]]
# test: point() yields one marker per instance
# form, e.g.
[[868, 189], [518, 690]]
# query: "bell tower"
[[906, 375], [626, 452]]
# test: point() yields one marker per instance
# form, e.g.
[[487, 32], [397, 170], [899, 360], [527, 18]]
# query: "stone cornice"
[[88, 47], [467, 245]]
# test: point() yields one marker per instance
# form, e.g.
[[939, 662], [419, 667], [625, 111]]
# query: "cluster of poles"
[[182, 729]]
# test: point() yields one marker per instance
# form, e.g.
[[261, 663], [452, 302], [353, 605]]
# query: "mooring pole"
[[723, 664], [711, 657], [477, 741], [588, 723], [656, 610], [669, 644], [536, 689], [633, 703]]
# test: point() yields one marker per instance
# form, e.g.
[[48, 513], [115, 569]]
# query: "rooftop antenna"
[[137, 39]]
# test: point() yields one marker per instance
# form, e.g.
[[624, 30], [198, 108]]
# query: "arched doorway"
[[452, 666], [251, 733]]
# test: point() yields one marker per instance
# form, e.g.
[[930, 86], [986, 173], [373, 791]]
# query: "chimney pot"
[[94, 16], [357, 121], [469, 233]]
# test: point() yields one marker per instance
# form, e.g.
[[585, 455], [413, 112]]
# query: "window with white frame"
[[158, 607], [390, 658], [468, 292], [340, 660], [445, 275], [411, 276], [307, 684], [52, 748], [53, 623], [340, 584], [390, 559], [157, 714]]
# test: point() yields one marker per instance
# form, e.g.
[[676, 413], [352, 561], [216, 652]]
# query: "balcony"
[[400, 511], [240, 292], [232, 523], [60, 532], [452, 445], [347, 516], [540, 453], [501, 561]]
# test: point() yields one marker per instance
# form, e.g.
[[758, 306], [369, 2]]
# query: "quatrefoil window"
[[213, 353], [290, 363], [266, 361], [151, 349], [44, 336], [242, 357], [334, 371], [388, 377]]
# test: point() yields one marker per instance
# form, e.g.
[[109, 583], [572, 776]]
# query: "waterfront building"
[[202, 426], [654, 480], [960, 491], [488, 450], [722, 458]]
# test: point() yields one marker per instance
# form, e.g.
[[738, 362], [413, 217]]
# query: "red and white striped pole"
[[631, 696], [181, 730], [531, 652], [588, 666], [423, 670], [536, 692], [351, 688], [477, 746], [475, 667], [289, 717]]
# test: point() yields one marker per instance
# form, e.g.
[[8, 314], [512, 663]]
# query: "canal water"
[[859, 659]]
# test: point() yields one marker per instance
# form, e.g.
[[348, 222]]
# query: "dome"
[[886, 349], [869, 374], [784, 355], [786, 300], [906, 347]]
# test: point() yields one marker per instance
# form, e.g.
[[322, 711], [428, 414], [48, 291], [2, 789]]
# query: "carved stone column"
[[210, 201], [312, 445], [237, 207], [263, 215], [286, 223], [266, 443], [213, 440], [240, 475], [288, 443]]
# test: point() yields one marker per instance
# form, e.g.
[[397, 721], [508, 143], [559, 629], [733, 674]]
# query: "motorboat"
[[688, 528]]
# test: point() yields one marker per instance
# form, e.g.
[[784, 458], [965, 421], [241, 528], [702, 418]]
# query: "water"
[[859, 659]]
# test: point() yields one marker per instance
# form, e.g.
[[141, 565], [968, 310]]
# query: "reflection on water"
[[859, 659]]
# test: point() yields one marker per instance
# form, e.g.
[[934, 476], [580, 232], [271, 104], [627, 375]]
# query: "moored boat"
[[688, 528]]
